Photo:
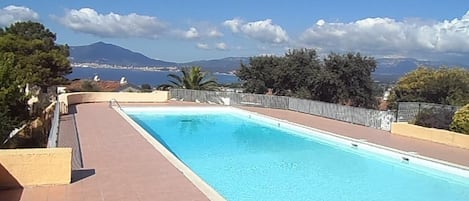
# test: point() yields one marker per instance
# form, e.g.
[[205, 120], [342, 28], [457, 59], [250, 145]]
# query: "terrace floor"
[[119, 164]]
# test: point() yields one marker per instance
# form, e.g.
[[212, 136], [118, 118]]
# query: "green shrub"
[[434, 118], [89, 86], [460, 122]]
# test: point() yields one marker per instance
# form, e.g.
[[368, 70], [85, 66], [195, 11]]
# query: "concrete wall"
[[32, 167], [91, 97], [431, 134]]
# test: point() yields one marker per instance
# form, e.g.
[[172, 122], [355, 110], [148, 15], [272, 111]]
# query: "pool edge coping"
[[198, 182]]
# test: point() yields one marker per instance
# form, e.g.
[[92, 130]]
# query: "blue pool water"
[[245, 159]]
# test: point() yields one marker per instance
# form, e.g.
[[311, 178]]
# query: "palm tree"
[[192, 78]]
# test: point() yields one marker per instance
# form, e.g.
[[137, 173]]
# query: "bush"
[[460, 122], [434, 118], [89, 86]]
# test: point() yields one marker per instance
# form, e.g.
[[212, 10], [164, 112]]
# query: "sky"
[[181, 31]]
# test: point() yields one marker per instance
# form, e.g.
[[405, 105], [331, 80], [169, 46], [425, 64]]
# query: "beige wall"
[[90, 97], [32, 167], [431, 134]]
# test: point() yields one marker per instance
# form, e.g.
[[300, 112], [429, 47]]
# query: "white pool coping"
[[205, 188], [212, 194]]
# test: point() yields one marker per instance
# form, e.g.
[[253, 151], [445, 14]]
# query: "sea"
[[138, 77]]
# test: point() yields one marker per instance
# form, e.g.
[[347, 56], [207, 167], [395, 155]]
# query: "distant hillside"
[[391, 69], [103, 53], [388, 69], [218, 65]]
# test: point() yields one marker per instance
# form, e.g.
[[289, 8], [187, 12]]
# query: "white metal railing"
[[54, 130], [366, 117], [114, 101]]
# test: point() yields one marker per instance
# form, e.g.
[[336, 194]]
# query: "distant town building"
[[96, 78], [104, 86], [236, 90], [386, 94], [123, 81]]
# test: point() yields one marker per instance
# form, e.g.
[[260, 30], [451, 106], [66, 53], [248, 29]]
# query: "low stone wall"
[[33, 167], [431, 134], [92, 97]]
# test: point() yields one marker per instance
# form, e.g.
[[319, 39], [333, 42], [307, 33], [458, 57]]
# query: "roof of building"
[[103, 85]]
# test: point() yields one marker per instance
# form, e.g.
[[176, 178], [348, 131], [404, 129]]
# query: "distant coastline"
[[140, 68], [137, 75]]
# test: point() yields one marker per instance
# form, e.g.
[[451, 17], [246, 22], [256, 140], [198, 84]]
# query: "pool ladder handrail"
[[114, 101]]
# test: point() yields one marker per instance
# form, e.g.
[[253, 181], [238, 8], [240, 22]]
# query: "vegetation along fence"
[[367, 117], [407, 111]]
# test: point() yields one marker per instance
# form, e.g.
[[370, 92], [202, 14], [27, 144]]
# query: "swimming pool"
[[245, 156]]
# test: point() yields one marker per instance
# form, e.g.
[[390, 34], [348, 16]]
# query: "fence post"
[[397, 113], [418, 111]]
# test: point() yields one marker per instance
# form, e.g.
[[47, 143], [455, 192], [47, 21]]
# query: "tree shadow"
[[10, 188], [78, 175]]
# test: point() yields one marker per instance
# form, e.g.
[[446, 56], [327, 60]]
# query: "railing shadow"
[[78, 175]]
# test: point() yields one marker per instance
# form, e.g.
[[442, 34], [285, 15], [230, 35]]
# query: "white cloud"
[[218, 46], [264, 30], [221, 46], [214, 33], [203, 46], [390, 36], [191, 33], [196, 32], [233, 24], [87, 20], [12, 14]]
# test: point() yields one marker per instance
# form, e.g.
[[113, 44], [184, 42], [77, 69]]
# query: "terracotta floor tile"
[[58, 193], [35, 193], [11, 194]]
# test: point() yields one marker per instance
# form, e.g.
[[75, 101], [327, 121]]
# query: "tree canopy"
[[39, 60], [192, 78], [349, 77], [28, 55], [13, 107], [344, 79], [259, 76], [449, 86]]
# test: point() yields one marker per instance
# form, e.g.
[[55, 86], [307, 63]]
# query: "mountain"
[[388, 69], [219, 65], [103, 53]]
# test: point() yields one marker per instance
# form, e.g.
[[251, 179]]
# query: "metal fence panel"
[[407, 111], [367, 117]]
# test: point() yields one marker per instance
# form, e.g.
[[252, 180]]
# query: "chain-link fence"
[[367, 117], [408, 111]]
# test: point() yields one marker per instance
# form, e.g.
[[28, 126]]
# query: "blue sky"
[[207, 29]]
